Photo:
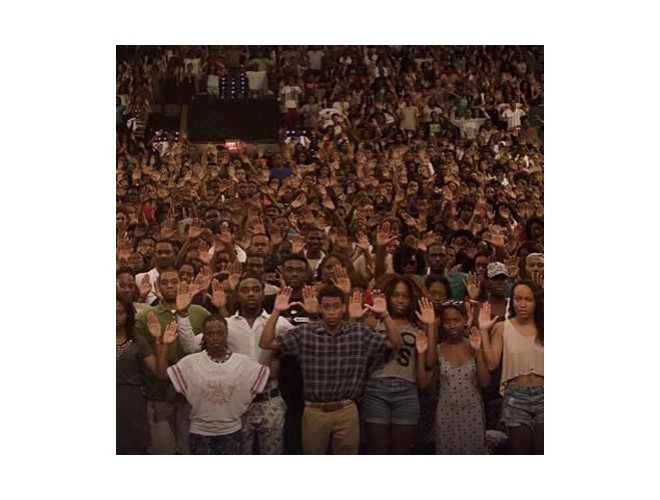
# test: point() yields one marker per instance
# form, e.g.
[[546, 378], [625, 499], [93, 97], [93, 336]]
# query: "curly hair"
[[416, 293]]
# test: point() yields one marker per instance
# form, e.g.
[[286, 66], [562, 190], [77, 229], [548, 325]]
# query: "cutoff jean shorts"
[[522, 405], [390, 400]]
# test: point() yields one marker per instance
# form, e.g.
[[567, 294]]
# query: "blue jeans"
[[230, 444]]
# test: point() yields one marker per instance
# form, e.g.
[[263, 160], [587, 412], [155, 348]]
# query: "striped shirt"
[[333, 366]]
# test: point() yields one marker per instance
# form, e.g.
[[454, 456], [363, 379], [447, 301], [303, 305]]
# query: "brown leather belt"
[[328, 407]]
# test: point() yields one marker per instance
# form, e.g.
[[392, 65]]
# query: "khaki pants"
[[341, 426]]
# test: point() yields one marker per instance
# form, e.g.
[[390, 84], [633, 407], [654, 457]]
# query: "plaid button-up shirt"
[[333, 366]]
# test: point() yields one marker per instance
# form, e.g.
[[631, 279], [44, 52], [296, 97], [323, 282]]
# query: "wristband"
[[383, 316]]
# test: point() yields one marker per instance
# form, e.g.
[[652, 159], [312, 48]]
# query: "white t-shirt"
[[315, 59], [212, 82], [219, 393], [256, 80], [512, 117], [291, 95]]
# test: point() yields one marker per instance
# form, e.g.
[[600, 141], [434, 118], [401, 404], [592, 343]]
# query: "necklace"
[[222, 359], [122, 348]]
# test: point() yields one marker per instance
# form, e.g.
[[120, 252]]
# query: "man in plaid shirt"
[[334, 355]]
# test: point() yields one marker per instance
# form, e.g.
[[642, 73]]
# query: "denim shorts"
[[522, 405], [390, 401]]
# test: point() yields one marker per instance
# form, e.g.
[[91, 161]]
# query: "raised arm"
[[483, 374], [424, 376], [268, 340], [162, 342], [491, 337], [189, 342], [394, 339], [426, 315], [383, 238]]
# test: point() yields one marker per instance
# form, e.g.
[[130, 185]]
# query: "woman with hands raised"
[[390, 404], [462, 369], [518, 344], [133, 354]]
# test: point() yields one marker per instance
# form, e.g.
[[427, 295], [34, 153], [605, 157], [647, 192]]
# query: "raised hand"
[[497, 239], [204, 257], [259, 228], [218, 296], [282, 299], [202, 281], [485, 321], [327, 203], [469, 312], [297, 243], [537, 277], [170, 334], [276, 238], [153, 325], [234, 274], [184, 297], [355, 309], [310, 300], [195, 229], [341, 279], [168, 228], [421, 342], [363, 242], [299, 201], [475, 338], [157, 291], [384, 235], [379, 303], [426, 313], [145, 286], [124, 248], [472, 284], [426, 241]]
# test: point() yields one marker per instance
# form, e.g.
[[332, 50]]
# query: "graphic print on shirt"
[[406, 351], [217, 392]]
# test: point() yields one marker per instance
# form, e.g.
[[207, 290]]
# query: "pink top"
[[522, 355]]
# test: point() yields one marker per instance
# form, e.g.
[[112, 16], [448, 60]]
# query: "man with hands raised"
[[168, 412], [334, 355]]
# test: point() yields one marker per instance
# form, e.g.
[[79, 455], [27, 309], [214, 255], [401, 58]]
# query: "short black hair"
[[331, 291], [250, 275], [125, 270], [295, 256]]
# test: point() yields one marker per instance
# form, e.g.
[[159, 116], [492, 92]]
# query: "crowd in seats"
[[374, 285]]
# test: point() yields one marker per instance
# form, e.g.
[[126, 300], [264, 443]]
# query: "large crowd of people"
[[374, 285]]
